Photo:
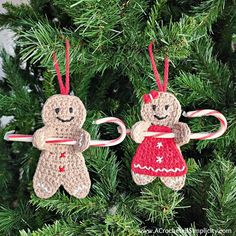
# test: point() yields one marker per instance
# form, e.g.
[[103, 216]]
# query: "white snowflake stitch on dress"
[[159, 159], [159, 145]]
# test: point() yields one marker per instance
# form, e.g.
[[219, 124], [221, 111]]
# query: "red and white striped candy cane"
[[208, 112], [113, 142], [10, 136], [199, 136]]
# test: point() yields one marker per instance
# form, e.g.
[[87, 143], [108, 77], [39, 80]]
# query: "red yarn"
[[56, 66], [166, 72], [147, 98], [63, 89], [61, 169], [159, 156], [154, 94], [67, 89], [63, 155], [154, 68], [156, 74]]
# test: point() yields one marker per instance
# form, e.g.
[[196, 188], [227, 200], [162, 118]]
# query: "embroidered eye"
[[57, 110], [154, 107], [70, 109], [166, 107]]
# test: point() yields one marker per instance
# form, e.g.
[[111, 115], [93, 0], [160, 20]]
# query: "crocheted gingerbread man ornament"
[[63, 116], [160, 157]]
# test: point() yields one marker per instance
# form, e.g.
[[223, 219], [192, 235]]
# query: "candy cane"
[[208, 112], [113, 142], [10, 136], [199, 136]]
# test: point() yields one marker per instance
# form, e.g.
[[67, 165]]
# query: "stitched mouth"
[[68, 120], [159, 117]]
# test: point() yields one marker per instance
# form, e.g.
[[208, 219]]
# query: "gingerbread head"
[[160, 108], [63, 110]]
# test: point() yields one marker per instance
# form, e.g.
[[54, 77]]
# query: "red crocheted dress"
[[159, 156]]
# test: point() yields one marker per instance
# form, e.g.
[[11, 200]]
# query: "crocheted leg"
[[175, 183], [142, 179], [77, 181], [45, 182]]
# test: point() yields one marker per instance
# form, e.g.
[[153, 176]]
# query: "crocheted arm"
[[83, 140], [40, 136], [182, 133], [138, 129]]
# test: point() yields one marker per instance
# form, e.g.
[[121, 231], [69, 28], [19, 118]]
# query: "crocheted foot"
[[44, 183], [142, 179], [77, 181], [175, 183]]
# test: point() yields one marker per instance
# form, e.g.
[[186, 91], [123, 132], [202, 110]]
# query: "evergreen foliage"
[[110, 71]]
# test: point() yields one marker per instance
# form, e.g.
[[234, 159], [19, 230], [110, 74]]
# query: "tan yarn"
[[138, 129], [142, 179], [183, 132], [63, 116], [175, 183], [162, 111], [173, 112]]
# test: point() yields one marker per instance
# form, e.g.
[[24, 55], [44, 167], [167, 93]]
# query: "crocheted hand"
[[138, 129], [40, 137], [83, 140], [182, 133]]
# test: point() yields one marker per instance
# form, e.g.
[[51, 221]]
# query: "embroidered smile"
[[159, 117], [68, 120]]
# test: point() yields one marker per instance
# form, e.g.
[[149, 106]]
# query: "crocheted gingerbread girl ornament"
[[63, 116], [160, 157]]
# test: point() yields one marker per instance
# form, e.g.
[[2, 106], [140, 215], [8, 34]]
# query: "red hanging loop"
[[166, 73], [161, 87], [67, 89], [56, 66], [154, 68], [64, 89]]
